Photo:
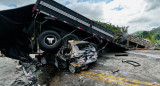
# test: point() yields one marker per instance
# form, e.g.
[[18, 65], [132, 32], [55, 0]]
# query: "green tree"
[[157, 37], [146, 35]]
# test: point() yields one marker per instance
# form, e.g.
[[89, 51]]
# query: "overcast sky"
[[137, 14]]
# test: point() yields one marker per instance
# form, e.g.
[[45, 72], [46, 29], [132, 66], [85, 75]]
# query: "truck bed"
[[64, 14]]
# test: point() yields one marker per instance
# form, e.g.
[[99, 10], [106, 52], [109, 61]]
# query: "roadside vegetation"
[[115, 29], [119, 31], [153, 35]]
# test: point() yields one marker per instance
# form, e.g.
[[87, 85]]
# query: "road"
[[110, 70]]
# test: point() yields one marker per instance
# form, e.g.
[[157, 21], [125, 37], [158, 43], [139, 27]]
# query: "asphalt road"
[[110, 70]]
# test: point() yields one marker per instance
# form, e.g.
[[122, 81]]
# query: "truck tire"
[[49, 41], [70, 37], [94, 45]]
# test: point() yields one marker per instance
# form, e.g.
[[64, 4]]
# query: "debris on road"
[[116, 71], [81, 80], [121, 54], [135, 64], [27, 71], [18, 83]]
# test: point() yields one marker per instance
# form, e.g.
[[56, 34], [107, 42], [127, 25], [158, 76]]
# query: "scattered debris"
[[135, 64], [1, 54], [26, 70], [81, 80], [116, 71], [18, 68], [121, 54], [18, 83]]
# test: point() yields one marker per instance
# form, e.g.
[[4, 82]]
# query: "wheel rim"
[[72, 69], [50, 40]]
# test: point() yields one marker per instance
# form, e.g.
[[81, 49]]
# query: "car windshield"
[[83, 46]]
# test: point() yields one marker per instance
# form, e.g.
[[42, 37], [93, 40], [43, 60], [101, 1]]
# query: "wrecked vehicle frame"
[[75, 56]]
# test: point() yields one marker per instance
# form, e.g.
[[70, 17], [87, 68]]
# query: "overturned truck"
[[47, 25]]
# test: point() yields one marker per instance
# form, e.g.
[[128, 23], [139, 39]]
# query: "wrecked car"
[[77, 55]]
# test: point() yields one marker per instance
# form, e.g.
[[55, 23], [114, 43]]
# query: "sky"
[[139, 15]]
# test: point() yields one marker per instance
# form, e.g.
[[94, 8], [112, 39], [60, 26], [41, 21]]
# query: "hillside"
[[151, 35], [136, 34], [155, 30]]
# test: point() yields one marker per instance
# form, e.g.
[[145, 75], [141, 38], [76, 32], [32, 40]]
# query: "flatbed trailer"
[[62, 14], [49, 25]]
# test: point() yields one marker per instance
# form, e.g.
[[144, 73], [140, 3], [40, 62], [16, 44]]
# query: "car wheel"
[[72, 69], [49, 41]]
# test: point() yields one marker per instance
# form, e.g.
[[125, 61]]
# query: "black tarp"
[[14, 42], [13, 22]]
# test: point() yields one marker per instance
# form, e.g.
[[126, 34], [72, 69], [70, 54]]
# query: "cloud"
[[152, 5], [119, 8], [3, 7], [148, 18], [140, 20], [9, 4], [93, 11], [117, 12], [138, 14], [18, 2]]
